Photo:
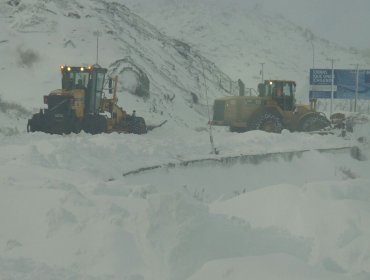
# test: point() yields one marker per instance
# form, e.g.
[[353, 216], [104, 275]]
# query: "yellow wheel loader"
[[273, 110], [81, 105]]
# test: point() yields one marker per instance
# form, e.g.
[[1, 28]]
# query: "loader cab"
[[283, 92], [90, 79]]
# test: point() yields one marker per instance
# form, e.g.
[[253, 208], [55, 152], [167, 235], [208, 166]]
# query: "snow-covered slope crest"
[[41, 35]]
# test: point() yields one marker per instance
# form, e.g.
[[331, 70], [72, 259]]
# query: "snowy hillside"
[[41, 35], [162, 206], [238, 36]]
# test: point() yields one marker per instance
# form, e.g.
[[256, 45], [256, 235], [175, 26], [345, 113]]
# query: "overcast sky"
[[346, 22]]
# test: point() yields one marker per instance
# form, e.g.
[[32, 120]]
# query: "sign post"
[[261, 72], [332, 86], [356, 93]]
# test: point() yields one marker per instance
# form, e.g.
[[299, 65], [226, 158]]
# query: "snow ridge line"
[[243, 159]]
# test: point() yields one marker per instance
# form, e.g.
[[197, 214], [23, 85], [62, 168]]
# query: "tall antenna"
[[332, 84], [97, 33], [356, 92], [261, 72]]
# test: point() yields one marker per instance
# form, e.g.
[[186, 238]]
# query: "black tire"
[[76, 127], [63, 127], [30, 126], [95, 124], [34, 124], [268, 122], [237, 129], [313, 122], [138, 125]]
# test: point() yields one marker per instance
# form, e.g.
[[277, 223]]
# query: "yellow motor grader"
[[82, 105]]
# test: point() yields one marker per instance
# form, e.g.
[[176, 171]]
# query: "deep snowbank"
[[66, 211]]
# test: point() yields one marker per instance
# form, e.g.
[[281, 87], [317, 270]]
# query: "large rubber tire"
[[268, 122], [32, 124], [49, 124], [95, 124], [237, 129], [138, 125], [313, 122], [76, 127], [35, 123]]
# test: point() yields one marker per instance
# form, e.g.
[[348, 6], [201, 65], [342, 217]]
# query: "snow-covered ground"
[[71, 207], [67, 211]]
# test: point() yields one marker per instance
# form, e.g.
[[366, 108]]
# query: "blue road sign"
[[344, 86]]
